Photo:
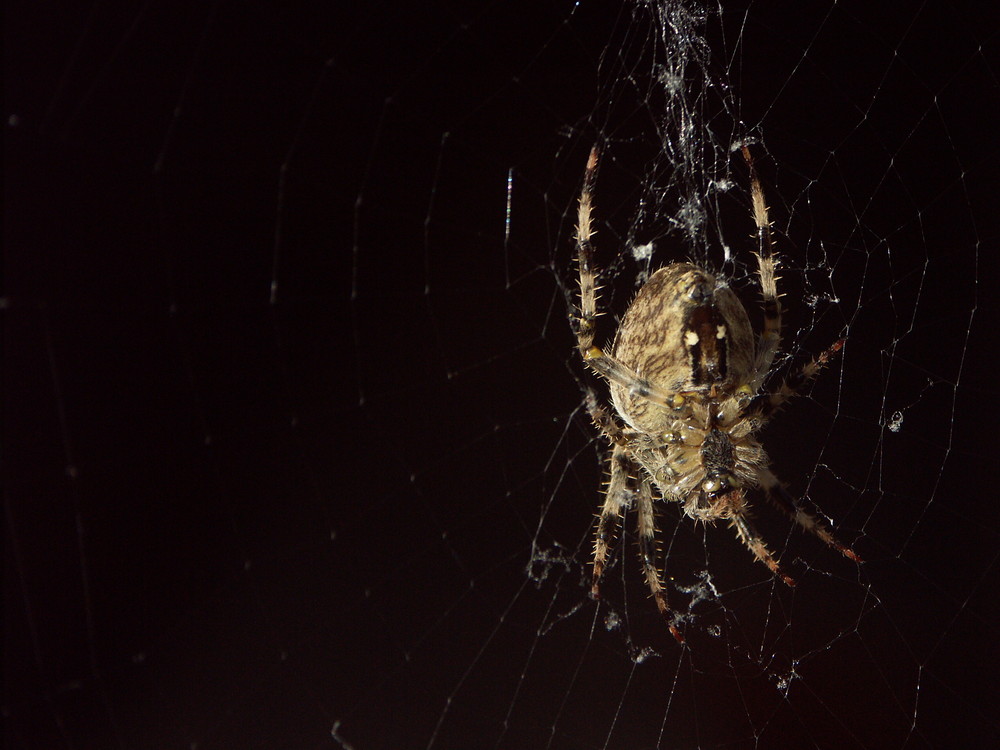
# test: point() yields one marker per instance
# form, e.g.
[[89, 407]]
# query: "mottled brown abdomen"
[[684, 332]]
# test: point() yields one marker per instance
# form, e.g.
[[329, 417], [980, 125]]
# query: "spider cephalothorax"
[[685, 375]]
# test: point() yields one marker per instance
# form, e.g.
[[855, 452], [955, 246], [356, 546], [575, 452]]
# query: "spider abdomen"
[[685, 332]]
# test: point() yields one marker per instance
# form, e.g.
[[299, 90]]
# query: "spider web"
[[295, 446]]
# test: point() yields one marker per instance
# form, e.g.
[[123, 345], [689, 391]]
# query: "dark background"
[[293, 455]]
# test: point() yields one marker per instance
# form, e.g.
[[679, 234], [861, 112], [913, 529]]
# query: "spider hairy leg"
[[616, 372], [586, 323], [755, 543], [794, 383], [616, 500], [604, 421], [783, 501], [647, 553], [767, 265]]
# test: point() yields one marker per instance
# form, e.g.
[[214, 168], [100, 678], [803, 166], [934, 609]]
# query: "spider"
[[686, 378]]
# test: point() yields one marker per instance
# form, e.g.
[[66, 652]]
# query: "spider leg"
[[768, 403], [586, 328], [605, 422], [587, 322], [783, 501], [617, 372], [647, 553], [767, 265], [755, 543], [616, 501]]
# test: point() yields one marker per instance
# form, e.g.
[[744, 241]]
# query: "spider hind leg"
[[781, 499], [647, 553], [756, 544], [616, 500]]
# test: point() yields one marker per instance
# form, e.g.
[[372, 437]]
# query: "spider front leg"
[[783, 501], [767, 266], [586, 328], [770, 337], [617, 372], [587, 323]]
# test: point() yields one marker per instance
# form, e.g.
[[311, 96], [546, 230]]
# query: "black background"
[[283, 409]]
